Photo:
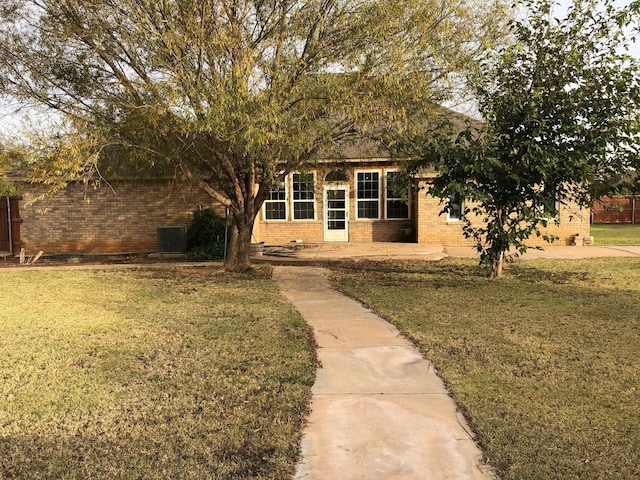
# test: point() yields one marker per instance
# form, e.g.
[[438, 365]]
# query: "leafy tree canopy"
[[8, 159], [560, 107], [234, 93]]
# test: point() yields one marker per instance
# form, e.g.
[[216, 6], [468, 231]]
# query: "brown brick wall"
[[282, 233], [122, 220], [434, 228]]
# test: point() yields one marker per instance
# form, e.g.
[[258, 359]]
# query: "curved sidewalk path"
[[379, 411]]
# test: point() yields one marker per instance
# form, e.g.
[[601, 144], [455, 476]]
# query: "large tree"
[[234, 93], [560, 108]]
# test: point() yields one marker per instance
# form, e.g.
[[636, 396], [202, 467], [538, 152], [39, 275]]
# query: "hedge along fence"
[[616, 210]]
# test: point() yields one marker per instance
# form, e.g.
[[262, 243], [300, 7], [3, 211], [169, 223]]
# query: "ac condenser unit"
[[172, 239]]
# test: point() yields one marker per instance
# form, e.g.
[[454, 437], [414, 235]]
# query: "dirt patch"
[[70, 260]]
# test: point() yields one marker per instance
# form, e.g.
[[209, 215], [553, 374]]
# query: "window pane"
[[394, 190], [368, 185], [397, 205], [275, 207], [336, 194], [549, 205], [368, 194], [303, 211], [303, 195], [397, 209], [275, 210], [277, 192], [368, 209], [455, 207]]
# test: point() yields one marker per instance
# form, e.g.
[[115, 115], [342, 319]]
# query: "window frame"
[[359, 200], [294, 201], [269, 201], [387, 198]]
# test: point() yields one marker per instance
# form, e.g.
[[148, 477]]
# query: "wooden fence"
[[10, 225], [616, 210]]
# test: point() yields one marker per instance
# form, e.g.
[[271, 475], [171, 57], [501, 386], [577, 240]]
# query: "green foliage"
[[8, 159], [560, 110], [7, 188], [206, 236]]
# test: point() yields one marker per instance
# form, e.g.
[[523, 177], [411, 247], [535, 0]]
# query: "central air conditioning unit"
[[172, 239]]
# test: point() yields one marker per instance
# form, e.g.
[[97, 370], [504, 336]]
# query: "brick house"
[[350, 199]]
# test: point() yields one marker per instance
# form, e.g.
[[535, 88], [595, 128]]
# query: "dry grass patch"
[[185, 373], [544, 362]]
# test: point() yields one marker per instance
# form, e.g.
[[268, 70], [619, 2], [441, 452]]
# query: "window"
[[368, 195], [456, 207], [275, 206], [303, 196], [549, 204], [397, 207]]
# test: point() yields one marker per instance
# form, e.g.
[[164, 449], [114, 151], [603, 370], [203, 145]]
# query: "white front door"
[[336, 213]]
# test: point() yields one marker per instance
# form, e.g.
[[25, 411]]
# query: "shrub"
[[206, 236]]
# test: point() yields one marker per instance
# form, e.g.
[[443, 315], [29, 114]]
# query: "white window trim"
[[293, 201], [386, 199], [286, 205], [357, 200]]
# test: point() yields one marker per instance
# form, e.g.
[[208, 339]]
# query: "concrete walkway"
[[321, 254], [558, 252], [379, 411]]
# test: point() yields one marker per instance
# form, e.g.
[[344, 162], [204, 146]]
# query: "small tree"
[[234, 94], [560, 116]]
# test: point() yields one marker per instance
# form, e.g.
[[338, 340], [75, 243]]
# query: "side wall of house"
[[105, 220], [434, 228]]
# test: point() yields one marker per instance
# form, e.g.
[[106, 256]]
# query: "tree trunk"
[[496, 265], [498, 244], [239, 244]]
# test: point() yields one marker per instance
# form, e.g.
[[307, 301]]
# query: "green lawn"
[[172, 373], [616, 234], [545, 362]]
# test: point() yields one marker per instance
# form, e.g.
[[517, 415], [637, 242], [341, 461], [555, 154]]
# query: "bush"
[[206, 236]]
